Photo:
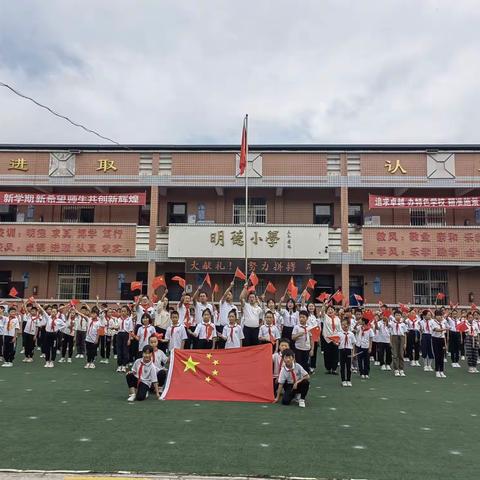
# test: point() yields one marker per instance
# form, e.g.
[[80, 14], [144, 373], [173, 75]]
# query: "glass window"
[[355, 214], [177, 213], [8, 213], [427, 284], [257, 211], [433, 217], [76, 214], [73, 282], [323, 214]]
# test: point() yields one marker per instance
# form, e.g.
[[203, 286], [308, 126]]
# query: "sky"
[[187, 71]]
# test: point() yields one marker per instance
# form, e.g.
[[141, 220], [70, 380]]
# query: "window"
[[432, 217], [355, 214], [76, 214], [257, 211], [177, 213], [73, 282], [427, 284], [323, 214], [8, 213]]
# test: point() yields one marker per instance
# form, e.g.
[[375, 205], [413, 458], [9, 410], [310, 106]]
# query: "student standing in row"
[[303, 341], [32, 319], [124, 333], [252, 316], [331, 328], [53, 322], [176, 334], [363, 347], [11, 329], [232, 333], [439, 327], [398, 332], [346, 350]]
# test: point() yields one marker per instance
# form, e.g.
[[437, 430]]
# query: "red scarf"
[[208, 331], [145, 331], [292, 373], [272, 338], [10, 320], [428, 326], [187, 315], [140, 371], [345, 341], [231, 332], [91, 325]]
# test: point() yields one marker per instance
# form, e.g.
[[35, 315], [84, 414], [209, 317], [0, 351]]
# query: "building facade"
[[392, 223]]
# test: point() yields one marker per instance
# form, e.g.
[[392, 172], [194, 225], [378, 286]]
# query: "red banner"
[[381, 201], [21, 198]]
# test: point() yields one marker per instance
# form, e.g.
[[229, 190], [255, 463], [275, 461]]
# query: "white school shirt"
[[303, 342], [289, 319], [425, 327], [383, 332], [141, 310], [144, 334], [69, 328], [10, 325], [331, 327], [363, 337], [92, 330], [397, 328], [435, 324], [149, 372], [199, 309], [2, 323], [159, 359], [266, 331], [182, 311], [252, 315], [125, 324], [162, 316], [473, 329], [80, 324], [234, 336], [112, 326], [414, 324], [291, 375], [225, 309], [277, 360], [53, 324], [31, 324], [201, 331], [175, 334], [452, 323], [347, 340]]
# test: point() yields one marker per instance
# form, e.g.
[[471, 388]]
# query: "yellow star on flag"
[[216, 362], [209, 356], [208, 379], [215, 372], [190, 365]]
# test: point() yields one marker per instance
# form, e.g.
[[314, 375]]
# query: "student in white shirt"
[[205, 332], [303, 341], [31, 321], [226, 306], [81, 332], [142, 306], [364, 336], [11, 329], [123, 337], [346, 349], [439, 328], [268, 332], [162, 317], [232, 333], [53, 323], [252, 316], [270, 305], [289, 317], [144, 332], [293, 381], [384, 347], [277, 359], [175, 336], [471, 343], [314, 325], [92, 337], [160, 360], [142, 377], [454, 338], [331, 328], [413, 338], [426, 340], [398, 332], [68, 335], [2, 318]]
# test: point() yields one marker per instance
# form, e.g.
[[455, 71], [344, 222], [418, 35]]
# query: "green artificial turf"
[[383, 428]]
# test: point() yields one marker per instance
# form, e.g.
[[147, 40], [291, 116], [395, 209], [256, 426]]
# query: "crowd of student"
[[141, 336]]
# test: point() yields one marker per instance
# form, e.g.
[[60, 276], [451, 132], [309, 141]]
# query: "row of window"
[[323, 214]]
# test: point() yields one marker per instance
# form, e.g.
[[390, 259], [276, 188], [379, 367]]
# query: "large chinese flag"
[[231, 375]]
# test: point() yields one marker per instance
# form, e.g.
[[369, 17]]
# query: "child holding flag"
[[11, 329], [346, 349]]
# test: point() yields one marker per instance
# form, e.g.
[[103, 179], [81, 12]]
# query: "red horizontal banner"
[[381, 201], [18, 198]]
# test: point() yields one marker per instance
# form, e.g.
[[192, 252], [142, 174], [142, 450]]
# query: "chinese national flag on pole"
[[292, 289], [158, 282], [323, 296], [231, 375], [311, 283], [13, 292], [270, 288], [180, 280], [337, 296], [207, 280], [243, 149], [253, 279], [135, 286], [239, 274]]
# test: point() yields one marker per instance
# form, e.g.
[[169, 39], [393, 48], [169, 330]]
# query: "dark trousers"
[[287, 333], [114, 344], [471, 349], [204, 344], [105, 346], [91, 351], [29, 345], [67, 344], [141, 388], [122, 349], [8, 348], [345, 363], [42, 340], [330, 357], [413, 345], [289, 393], [162, 346], [374, 352], [384, 351], [454, 346], [363, 361], [161, 377], [438, 345], [251, 336], [80, 342], [426, 344], [220, 342], [50, 345], [313, 358], [302, 357]]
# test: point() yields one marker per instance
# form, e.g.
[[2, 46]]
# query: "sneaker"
[[124, 369], [87, 365], [47, 364], [82, 355], [397, 373], [425, 368], [115, 357], [367, 376], [131, 397], [389, 367], [406, 359], [107, 362], [62, 360], [344, 384], [77, 355], [442, 375], [92, 365], [42, 355], [463, 357], [402, 373], [7, 364], [29, 360], [52, 364], [475, 370], [22, 351], [25, 360], [69, 360], [297, 398], [301, 403], [349, 384], [437, 374], [478, 361], [383, 367], [376, 363], [119, 369]]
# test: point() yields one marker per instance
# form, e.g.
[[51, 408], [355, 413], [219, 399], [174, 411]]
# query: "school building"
[[396, 223]]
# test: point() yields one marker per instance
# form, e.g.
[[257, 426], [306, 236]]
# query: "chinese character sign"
[[228, 241], [448, 244], [18, 198], [104, 240], [381, 201]]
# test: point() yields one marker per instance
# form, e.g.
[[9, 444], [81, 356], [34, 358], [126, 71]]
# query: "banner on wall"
[[381, 201], [21, 198]]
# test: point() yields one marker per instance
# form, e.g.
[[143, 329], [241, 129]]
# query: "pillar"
[[152, 239], [344, 243]]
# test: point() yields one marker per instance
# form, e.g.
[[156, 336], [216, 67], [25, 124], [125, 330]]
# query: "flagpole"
[[246, 195]]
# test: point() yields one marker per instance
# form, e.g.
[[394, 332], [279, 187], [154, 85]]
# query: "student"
[[104, 334], [426, 340], [471, 343], [205, 331], [175, 336], [346, 348], [384, 346], [439, 327], [293, 381], [268, 333], [303, 341], [124, 333], [24, 311], [314, 325], [160, 360], [92, 337], [11, 329], [226, 306], [142, 377], [68, 335], [289, 317], [331, 328], [413, 338], [270, 305], [144, 332], [186, 318], [2, 322], [363, 347], [454, 338], [142, 305], [162, 318], [200, 303], [53, 322], [277, 359], [81, 332], [252, 316], [232, 333], [32, 319], [398, 332]]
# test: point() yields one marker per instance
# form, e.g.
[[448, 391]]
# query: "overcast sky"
[[186, 71]]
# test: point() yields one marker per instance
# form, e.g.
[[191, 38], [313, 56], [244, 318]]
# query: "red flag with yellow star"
[[230, 375]]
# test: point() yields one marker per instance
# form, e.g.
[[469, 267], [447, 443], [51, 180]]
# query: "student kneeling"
[[293, 381], [142, 377]]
